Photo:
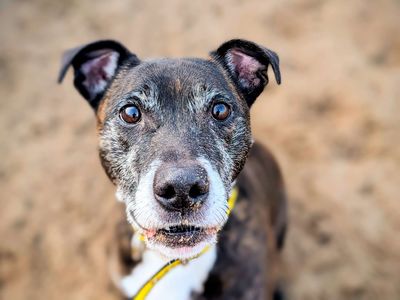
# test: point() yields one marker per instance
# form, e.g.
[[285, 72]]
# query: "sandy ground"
[[334, 125]]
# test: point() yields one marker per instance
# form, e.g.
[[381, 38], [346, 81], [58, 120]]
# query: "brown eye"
[[221, 111], [130, 114]]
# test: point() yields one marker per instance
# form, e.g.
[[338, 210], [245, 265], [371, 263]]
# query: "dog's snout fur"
[[180, 186]]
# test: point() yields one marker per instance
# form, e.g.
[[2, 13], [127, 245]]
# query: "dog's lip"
[[183, 230], [182, 242], [180, 230]]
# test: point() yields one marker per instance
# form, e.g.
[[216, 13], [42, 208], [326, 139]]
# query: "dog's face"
[[174, 134]]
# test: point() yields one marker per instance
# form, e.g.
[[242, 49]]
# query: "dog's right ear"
[[247, 64], [95, 65]]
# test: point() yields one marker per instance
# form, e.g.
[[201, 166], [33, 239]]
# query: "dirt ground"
[[334, 125]]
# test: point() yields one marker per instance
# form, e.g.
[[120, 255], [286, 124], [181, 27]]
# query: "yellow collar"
[[150, 284]]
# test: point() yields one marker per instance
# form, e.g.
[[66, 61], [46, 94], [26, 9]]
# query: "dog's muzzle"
[[179, 206]]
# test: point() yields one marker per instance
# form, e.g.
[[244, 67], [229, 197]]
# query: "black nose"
[[180, 186]]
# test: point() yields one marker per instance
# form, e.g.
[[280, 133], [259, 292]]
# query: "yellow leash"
[[232, 200], [149, 285]]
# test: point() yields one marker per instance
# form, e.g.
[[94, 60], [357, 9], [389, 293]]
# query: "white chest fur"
[[178, 284]]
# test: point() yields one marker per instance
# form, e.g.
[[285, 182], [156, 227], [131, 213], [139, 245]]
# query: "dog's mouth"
[[181, 241], [180, 231], [180, 235]]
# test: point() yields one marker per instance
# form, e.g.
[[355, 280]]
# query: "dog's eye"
[[130, 114], [221, 111]]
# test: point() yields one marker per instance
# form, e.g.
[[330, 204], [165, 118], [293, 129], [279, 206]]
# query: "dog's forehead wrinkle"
[[179, 75]]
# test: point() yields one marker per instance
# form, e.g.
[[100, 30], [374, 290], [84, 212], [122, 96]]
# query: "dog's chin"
[[181, 244]]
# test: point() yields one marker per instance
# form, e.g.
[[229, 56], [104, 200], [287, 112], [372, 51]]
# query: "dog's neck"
[[190, 278]]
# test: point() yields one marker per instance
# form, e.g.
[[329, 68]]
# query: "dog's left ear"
[[95, 66], [247, 64]]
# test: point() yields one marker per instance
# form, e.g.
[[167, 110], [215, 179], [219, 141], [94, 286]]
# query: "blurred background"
[[334, 125]]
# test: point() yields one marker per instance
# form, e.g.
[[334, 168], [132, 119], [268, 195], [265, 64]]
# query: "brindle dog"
[[174, 139]]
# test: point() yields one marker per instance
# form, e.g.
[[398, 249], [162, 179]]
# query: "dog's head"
[[174, 133]]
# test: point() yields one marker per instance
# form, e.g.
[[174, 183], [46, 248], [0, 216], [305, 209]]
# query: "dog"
[[175, 139]]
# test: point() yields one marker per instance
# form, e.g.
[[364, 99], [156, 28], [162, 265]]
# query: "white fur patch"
[[145, 206], [178, 284], [217, 196]]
